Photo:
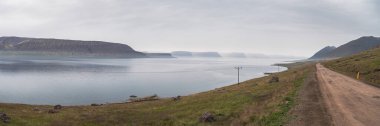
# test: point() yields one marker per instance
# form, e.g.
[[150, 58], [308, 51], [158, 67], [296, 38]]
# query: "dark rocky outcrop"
[[60, 47]]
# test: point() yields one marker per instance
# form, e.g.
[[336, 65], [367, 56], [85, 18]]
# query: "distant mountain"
[[60, 47], [159, 55], [182, 54], [323, 52], [195, 54], [206, 54], [265, 56], [230, 55], [356, 46], [234, 55], [352, 47]]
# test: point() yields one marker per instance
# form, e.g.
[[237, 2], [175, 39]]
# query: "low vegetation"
[[253, 102], [366, 63]]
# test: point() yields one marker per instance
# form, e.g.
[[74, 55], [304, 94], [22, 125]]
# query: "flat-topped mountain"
[[61, 47], [350, 48]]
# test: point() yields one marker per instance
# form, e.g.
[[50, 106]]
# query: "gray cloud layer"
[[292, 27]]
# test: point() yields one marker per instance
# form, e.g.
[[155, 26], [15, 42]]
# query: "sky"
[[280, 27]]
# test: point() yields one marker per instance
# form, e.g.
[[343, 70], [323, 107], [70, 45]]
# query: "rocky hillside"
[[353, 47], [41, 46]]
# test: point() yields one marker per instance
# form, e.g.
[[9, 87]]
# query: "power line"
[[238, 69]]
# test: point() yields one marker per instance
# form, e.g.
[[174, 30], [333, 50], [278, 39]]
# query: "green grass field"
[[254, 102], [367, 63]]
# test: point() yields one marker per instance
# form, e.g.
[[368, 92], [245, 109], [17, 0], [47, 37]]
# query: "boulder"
[[56, 107], [177, 98], [207, 117], [274, 79], [4, 118]]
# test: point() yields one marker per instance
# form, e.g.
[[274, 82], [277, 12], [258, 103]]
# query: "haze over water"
[[80, 82]]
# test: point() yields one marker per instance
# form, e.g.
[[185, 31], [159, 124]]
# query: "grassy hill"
[[254, 102], [367, 63]]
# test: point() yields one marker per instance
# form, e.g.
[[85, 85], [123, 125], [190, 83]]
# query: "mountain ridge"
[[352, 47]]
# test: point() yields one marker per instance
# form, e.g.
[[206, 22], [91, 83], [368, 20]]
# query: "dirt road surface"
[[350, 102]]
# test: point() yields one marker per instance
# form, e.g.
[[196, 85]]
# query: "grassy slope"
[[367, 63], [254, 102]]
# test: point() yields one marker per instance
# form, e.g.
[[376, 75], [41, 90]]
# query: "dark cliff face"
[[350, 48], [72, 47]]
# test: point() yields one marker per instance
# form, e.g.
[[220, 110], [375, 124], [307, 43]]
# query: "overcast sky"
[[286, 27]]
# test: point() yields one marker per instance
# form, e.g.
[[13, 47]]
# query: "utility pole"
[[238, 69]]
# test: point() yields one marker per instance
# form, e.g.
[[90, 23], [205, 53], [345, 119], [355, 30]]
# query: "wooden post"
[[358, 76]]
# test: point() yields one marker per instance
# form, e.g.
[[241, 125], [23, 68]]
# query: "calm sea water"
[[79, 82]]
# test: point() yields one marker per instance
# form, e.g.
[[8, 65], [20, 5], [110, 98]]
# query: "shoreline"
[[235, 104]]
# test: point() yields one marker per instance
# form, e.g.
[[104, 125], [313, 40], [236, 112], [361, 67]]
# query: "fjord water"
[[80, 82]]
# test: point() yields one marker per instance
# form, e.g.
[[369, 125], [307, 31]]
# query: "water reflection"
[[54, 66]]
